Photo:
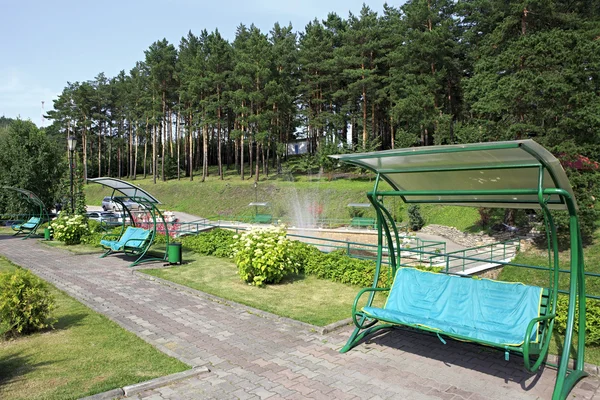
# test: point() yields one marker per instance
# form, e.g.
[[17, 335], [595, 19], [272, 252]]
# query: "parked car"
[[108, 204], [108, 218]]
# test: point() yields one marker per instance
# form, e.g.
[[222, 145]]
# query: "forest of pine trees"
[[428, 72]]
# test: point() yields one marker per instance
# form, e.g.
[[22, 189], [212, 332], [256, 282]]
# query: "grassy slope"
[[231, 197], [303, 298], [84, 354]]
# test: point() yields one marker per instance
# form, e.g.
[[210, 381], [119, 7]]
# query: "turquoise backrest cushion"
[[134, 237], [484, 309]]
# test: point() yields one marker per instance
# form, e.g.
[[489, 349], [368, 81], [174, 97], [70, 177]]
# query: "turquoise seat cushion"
[[132, 237], [31, 224], [479, 309]]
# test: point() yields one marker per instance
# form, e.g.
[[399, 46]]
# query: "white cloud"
[[21, 95]]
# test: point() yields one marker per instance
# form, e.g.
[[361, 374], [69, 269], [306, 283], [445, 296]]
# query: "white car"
[[108, 204], [108, 218]]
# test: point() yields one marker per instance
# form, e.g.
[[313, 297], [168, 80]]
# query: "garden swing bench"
[[512, 317], [134, 240], [31, 225]]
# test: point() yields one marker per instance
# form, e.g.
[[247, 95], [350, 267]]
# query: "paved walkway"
[[256, 357]]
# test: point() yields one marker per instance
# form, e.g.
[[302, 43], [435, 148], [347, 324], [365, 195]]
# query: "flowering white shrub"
[[70, 229], [263, 255]]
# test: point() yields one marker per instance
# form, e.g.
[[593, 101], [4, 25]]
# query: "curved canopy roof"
[[126, 188], [32, 197], [462, 174]]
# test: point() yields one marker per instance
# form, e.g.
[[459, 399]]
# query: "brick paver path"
[[256, 357]]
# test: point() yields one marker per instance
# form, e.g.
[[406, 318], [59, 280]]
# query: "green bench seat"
[[363, 221], [263, 218]]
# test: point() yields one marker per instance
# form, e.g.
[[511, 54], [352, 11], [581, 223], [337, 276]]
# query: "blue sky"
[[46, 44]]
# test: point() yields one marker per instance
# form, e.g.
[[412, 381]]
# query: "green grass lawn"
[[84, 354], [303, 298]]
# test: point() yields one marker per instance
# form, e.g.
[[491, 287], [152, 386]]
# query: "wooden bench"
[[27, 227], [263, 218], [134, 241], [363, 221], [509, 316]]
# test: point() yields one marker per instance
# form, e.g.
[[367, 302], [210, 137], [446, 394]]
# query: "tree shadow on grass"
[[14, 367], [69, 321]]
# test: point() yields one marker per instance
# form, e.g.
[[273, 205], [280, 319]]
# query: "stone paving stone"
[[257, 356]]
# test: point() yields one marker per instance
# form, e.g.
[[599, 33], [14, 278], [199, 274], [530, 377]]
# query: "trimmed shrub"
[[592, 319], [263, 255], [217, 242], [95, 233], [70, 229], [339, 267], [415, 220], [25, 303]]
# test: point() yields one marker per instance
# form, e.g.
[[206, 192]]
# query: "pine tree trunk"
[[100, 151], [130, 152], [178, 146], [205, 153], [136, 143], [85, 164], [154, 153], [219, 149], [145, 157], [191, 154], [257, 162], [242, 154], [163, 137]]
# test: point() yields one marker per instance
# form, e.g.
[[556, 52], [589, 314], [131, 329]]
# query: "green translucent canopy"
[[462, 174], [126, 188]]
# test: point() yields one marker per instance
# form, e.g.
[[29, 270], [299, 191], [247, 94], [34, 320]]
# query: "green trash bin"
[[174, 253], [47, 235]]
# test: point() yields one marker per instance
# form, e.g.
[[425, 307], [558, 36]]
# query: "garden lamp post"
[[71, 143]]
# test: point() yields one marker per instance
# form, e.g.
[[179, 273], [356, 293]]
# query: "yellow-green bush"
[[25, 303]]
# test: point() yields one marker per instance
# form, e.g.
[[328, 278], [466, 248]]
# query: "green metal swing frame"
[[32, 198], [513, 174], [149, 203]]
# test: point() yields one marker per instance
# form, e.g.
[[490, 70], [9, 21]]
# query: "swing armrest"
[[359, 295], [544, 346]]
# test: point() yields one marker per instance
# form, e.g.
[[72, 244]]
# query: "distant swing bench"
[[27, 227], [499, 314]]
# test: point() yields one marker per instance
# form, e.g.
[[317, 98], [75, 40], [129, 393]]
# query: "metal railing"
[[460, 261]]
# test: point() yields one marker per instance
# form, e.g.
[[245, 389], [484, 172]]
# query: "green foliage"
[[263, 256], [25, 303], [592, 319], [430, 269], [217, 242], [339, 267], [30, 160], [95, 233], [70, 229], [415, 220]]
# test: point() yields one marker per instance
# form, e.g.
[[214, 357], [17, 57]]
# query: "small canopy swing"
[[33, 221], [513, 317], [136, 239]]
